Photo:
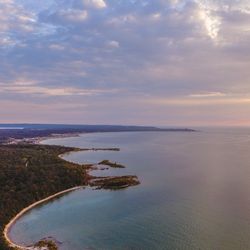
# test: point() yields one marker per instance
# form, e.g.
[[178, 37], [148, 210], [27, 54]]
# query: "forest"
[[29, 173], [32, 172]]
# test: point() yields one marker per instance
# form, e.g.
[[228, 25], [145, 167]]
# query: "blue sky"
[[160, 62]]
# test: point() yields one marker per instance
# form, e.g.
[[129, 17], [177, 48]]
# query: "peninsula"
[[32, 173]]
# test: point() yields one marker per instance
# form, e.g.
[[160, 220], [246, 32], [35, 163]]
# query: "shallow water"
[[194, 194]]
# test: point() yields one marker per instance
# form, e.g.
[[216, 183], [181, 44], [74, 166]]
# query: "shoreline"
[[35, 141], [39, 140], [7, 228]]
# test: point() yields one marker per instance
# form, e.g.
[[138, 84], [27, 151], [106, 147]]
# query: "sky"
[[138, 62]]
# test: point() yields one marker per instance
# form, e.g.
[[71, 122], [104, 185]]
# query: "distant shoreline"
[[18, 133], [39, 140]]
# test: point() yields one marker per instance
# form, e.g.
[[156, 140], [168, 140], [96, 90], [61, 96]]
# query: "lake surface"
[[194, 194]]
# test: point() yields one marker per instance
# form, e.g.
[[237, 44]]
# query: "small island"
[[111, 164], [114, 183], [104, 149], [49, 244]]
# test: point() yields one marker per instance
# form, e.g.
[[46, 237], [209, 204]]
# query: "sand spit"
[[13, 220]]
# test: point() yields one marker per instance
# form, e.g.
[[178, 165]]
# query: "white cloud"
[[198, 101], [6, 41], [95, 3], [211, 21], [123, 19], [208, 94], [15, 17], [19, 24], [21, 81], [156, 16], [24, 86], [113, 44]]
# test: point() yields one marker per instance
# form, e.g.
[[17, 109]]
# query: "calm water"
[[194, 194]]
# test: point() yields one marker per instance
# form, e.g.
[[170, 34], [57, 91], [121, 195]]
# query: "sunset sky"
[[142, 62]]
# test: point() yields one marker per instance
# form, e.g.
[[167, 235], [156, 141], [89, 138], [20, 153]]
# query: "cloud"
[[211, 21], [95, 3], [31, 87], [115, 52], [188, 102], [113, 44], [207, 95]]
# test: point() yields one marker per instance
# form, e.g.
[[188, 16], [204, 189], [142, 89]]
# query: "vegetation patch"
[[29, 173], [46, 244], [115, 183], [104, 149], [111, 164]]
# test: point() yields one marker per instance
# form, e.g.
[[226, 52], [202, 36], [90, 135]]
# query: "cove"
[[194, 194]]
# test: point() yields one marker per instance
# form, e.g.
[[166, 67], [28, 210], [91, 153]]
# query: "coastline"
[[39, 140], [7, 228]]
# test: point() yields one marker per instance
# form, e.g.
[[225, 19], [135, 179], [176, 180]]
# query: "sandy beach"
[[13, 220], [39, 140]]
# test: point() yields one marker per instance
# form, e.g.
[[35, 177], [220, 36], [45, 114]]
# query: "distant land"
[[22, 131]]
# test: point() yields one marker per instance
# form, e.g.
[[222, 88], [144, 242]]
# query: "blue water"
[[194, 194]]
